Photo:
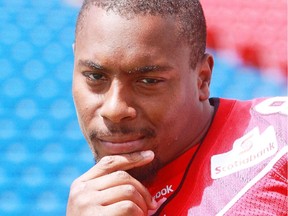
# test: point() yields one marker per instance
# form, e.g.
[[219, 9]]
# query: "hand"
[[106, 189]]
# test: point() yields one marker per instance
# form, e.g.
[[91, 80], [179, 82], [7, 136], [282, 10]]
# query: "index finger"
[[112, 163]]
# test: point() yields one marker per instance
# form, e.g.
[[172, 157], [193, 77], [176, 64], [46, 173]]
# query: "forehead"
[[103, 25], [109, 38]]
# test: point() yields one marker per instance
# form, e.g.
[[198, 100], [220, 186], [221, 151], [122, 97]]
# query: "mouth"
[[122, 145]]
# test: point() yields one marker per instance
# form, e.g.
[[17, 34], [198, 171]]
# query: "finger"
[[120, 178], [112, 163], [123, 208], [120, 193]]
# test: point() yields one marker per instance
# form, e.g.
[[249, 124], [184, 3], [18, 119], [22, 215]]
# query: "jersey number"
[[273, 105]]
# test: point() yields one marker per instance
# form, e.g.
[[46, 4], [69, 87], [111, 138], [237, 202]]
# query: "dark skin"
[[140, 105]]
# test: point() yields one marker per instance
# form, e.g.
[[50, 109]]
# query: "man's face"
[[133, 86]]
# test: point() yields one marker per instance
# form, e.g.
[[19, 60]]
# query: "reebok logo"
[[164, 191]]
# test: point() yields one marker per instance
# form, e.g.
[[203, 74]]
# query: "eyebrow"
[[91, 64], [149, 68], [144, 69]]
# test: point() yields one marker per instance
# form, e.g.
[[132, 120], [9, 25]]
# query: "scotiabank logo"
[[247, 151]]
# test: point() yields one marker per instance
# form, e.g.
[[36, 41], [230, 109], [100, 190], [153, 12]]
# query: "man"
[[162, 147]]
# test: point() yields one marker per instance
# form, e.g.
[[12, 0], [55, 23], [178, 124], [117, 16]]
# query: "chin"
[[144, 174], [147, 173]]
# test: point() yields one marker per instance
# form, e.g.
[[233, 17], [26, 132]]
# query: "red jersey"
[[240, 168]]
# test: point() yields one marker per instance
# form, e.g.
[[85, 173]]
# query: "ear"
[[204, 76]]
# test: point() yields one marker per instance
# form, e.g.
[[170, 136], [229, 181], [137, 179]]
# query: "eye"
[[94, 76], [150, 81]]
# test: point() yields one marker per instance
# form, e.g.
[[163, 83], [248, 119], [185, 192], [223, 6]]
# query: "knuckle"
[[130, 208], [129, 205], [122, 174], [75, 183], [130, 189], [76, 187], [76, 196], [80, 197], [106, 162]]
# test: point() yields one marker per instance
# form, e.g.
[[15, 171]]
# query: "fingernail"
[[147, 154], [154, 203]]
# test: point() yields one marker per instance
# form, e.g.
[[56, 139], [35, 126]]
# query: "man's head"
[[188, 14], [134, 86]]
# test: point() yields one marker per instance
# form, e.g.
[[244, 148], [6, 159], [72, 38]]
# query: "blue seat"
[[41, 144]]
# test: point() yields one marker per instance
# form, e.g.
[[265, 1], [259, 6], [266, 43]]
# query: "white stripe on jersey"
[[257, 178]]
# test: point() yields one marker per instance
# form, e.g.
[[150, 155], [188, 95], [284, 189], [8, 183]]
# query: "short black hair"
[[189, 14]]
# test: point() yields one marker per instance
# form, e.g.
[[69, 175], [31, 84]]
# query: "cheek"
[[163, 111], [84, 104], [176, 111], [78, 100]]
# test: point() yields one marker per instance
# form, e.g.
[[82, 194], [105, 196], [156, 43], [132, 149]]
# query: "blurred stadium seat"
[[42, 148], [256, 30]]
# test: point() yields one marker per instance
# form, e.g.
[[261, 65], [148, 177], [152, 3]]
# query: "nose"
[[116, 107]]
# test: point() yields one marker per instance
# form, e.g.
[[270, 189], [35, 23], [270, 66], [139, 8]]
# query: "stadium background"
[[41, 147]]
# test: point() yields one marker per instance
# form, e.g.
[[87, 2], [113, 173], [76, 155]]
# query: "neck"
[[208, 112]]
